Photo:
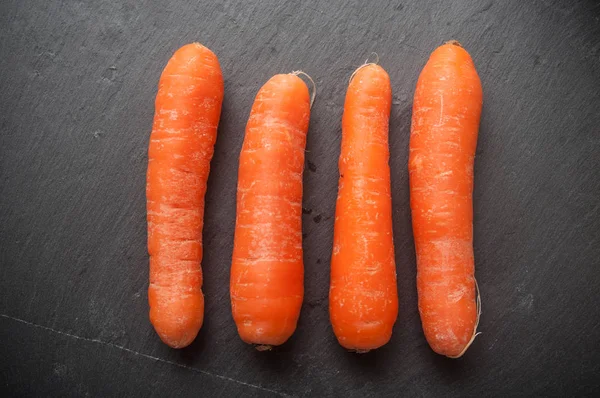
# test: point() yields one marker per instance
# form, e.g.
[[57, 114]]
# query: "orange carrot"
[[445, 123], [267, 271], [363, 298], [188, 106]]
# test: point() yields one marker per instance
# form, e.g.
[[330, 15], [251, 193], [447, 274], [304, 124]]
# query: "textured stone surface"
[[78, 80]]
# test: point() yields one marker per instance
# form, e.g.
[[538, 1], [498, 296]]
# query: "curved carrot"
[[188, 106], [267, 271], [445, 123], [363, 298]]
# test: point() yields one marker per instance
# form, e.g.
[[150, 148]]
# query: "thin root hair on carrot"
[[453, 42], [475, 332], [376, 58], [314, 90], [367, 63]]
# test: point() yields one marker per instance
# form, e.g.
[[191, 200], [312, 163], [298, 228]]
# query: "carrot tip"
[[453, 42], [263, 347], [314, 91], [367, 63], [475, 332], [466, 347]]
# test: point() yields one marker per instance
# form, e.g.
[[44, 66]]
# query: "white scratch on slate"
[[96, 341]]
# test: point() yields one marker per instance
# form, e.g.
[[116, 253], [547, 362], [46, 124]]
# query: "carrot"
[[267, 271], [363, 297], [188, 107], [445, 122]]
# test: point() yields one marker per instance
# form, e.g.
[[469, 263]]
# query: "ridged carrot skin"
[[267, 271], [188, 107], [363, 297], [445, 123]]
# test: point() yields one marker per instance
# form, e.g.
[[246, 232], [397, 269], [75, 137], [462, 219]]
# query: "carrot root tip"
[[314, 86], [453, 42], [263, 347], [367, 63], [466, 347], [475, 332]]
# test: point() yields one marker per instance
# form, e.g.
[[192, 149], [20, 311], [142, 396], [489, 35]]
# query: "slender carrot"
[[188, 107], [363, 298], [267, 271], [445, 123]]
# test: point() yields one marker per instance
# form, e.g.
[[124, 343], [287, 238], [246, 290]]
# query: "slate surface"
[[78, 80]]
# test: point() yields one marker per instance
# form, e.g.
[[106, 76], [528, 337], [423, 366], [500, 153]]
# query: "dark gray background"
[[77, 86]]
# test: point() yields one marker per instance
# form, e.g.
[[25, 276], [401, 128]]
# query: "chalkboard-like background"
[[77, 85]]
